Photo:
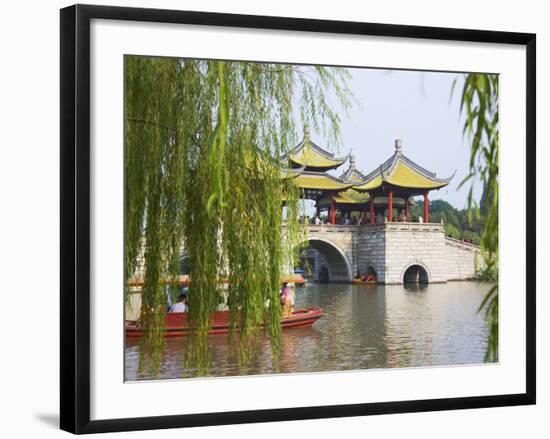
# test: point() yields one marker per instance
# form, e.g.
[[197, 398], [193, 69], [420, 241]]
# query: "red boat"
[[176, 324]]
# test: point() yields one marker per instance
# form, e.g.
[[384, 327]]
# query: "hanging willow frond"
[[479, 102], [202, 147]]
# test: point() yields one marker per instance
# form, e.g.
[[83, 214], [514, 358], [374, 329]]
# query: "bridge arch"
[[415, 272], [336, 261]]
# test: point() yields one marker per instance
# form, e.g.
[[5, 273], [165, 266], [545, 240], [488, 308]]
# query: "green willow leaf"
[[202, 176], [479, 102]]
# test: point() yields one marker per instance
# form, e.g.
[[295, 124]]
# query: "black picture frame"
[[75, 217]]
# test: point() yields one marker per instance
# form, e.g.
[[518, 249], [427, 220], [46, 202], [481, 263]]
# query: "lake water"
[[364, 327]]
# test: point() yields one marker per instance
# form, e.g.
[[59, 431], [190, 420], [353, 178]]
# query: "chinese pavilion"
[[312, 162], [349, 200], [396, 181], [385, 192], [312, 157]]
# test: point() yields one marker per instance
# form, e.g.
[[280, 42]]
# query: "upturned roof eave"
[[386, 170], [291, 173], [326, 155], [416, 188], [341, 185]]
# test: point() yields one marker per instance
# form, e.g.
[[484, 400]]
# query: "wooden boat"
[[176, 324]]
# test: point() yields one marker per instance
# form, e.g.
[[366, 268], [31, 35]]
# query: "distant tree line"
[[457, 223]]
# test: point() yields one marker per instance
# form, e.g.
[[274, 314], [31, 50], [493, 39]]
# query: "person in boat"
[[180, 305], [286, 299]]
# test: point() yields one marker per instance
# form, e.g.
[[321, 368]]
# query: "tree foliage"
[[458, 224], [202, 147], [479, 104]]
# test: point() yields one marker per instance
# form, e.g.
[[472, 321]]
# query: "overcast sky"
[[416, 107]]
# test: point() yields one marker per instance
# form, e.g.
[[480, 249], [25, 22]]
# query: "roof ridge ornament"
[[398, 146], [306, 132]]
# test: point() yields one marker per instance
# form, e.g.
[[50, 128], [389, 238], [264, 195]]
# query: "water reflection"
[[363, 327]]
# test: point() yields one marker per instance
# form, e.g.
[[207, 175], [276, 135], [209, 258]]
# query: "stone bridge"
[[393, 252]]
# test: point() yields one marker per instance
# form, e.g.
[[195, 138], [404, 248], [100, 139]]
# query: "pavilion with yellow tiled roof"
[[395, 182], [348, 200], [384, 191], [307, 164], [312, 157], [315, 182], [320, 185]]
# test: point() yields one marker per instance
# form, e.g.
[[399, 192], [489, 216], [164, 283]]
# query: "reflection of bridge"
[[394, 252]]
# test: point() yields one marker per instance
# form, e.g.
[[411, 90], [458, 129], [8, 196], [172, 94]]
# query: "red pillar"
[[332, 209], [426, 207], [372, 209], [390, 207], [406, 210]]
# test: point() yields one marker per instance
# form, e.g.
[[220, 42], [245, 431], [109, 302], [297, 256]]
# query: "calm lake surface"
[[363, 327]]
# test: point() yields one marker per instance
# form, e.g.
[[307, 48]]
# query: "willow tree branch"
[[149, 122]]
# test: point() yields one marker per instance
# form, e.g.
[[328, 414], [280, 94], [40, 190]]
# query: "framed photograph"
[[273, 218]]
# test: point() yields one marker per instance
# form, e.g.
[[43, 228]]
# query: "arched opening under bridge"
[[416, 274], [324, 276], [330, 263]]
